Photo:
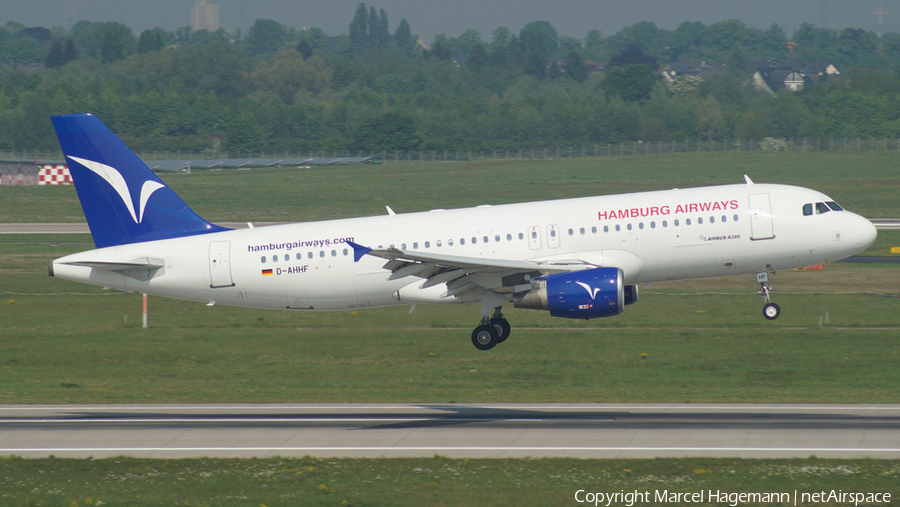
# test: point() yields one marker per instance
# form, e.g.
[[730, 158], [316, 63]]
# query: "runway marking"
[[437, 406], [303, 419], [445, 448]]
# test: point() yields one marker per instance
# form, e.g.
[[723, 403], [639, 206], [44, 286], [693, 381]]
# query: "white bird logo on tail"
[[115, 179]]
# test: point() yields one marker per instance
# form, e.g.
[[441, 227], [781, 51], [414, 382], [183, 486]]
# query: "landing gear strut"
[[771, 311]]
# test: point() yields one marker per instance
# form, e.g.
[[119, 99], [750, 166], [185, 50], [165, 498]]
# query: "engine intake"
[[588, 294]]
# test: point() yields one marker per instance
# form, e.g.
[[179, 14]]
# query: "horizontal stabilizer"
[[139, 269], [142, 263]]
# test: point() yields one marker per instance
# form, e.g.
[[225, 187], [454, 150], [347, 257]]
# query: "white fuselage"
[[652, 236]]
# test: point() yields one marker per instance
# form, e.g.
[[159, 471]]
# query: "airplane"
[[580, 258]]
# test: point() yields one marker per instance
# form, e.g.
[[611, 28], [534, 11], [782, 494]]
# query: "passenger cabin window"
[[821, 207], [807, 209], [521, 236]]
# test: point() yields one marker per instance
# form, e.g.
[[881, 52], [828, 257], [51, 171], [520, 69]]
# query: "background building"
[[205, 16]]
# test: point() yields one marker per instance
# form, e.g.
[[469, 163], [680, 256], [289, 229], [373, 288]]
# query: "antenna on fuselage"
[[748, 180]]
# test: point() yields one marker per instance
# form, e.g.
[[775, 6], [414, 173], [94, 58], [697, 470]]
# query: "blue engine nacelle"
[[588, 294]]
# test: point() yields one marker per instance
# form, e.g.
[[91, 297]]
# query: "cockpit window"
[[807, 209], [821, 208], [835, 206]]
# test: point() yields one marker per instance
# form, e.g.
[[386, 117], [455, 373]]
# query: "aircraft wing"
[[465, 273]]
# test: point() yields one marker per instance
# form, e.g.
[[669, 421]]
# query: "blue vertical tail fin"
[[123, 200]]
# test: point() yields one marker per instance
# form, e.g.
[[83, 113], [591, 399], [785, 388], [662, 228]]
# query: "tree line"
[[276, 88]]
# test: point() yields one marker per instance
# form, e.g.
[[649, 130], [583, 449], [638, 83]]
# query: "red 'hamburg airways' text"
[[652, 211]]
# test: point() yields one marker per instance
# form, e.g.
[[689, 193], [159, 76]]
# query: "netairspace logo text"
[[631, 498]]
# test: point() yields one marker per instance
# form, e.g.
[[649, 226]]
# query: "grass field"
[[864, 182], [699, 341], [433, 482], [704, 341]]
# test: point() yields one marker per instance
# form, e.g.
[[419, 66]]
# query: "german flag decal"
[[267, 272]]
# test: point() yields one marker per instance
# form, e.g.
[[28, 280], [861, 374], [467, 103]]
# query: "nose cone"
[[863, 233]]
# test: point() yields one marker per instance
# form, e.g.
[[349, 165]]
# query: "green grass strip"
[[437, 481]]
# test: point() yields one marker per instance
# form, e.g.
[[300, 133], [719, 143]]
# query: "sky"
[[428, 18]]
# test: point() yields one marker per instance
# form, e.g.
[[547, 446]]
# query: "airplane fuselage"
[[651, 236]]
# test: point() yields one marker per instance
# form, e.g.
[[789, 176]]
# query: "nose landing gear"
[[771, 310]]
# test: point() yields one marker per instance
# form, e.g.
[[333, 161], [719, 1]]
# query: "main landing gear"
[[492, 331], [771, 311], [494, 327]]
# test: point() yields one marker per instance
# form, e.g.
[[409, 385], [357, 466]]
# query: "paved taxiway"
[[454, 430]]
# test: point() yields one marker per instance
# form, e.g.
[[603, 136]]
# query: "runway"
[[453, 430]]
